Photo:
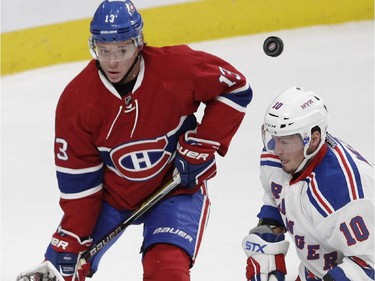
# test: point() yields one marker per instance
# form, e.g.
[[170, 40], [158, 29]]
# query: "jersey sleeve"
[[343, 201], [270, 168], [226, 94], [79, 168], [350, 230]]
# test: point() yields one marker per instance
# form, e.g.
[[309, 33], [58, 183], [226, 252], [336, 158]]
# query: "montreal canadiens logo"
[[141, 160]]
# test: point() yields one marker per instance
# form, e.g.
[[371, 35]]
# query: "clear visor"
[[114, 51], [283, 144]]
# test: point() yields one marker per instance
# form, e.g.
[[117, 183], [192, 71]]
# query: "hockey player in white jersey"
[[318, 189]]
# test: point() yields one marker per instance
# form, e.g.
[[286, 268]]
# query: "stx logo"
[[255, 247], [192, 154], [59, 243]]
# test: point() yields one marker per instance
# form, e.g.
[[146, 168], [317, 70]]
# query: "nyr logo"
[[142, 160]]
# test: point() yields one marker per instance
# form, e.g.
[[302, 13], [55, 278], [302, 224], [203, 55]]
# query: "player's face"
[[116, 58], [290, 151]]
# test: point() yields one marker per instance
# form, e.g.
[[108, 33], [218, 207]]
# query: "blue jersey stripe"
[[313, 201], [270, 163], [354, 167], [337, 180], [242, 98], [75, 183]]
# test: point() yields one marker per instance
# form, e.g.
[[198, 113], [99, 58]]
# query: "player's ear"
[[315, 140]]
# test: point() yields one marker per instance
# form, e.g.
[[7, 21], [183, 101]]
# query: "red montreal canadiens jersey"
[[121, 149]]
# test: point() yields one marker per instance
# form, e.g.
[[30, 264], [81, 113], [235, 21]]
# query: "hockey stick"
[[151, 201], [46, 271]]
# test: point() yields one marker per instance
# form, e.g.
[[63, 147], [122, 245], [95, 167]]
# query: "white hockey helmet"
[[295, 111]]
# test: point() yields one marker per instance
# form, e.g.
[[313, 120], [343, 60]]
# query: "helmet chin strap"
[[308, 156], [302, 165], [128, 72]]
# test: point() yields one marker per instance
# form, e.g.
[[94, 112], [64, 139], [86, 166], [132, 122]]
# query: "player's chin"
[[288, 169], [114, 77]]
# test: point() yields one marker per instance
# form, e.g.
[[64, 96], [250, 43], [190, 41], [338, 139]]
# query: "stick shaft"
[[151, 201]]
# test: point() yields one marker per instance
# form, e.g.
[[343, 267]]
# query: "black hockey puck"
[[273, 46]]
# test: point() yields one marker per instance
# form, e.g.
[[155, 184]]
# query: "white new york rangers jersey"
[[328, 210]]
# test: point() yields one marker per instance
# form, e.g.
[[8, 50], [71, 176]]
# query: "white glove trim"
[[187, 137], [61, 230]]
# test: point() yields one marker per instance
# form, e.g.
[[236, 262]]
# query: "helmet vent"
[[282, 126]]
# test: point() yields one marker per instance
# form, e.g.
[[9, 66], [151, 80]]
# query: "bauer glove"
[[64, 253], [195, 160], [266, 254]]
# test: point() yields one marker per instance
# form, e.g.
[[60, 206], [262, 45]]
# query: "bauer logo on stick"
[[273, 46]]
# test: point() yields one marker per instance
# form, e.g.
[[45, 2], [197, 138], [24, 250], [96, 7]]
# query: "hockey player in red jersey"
[[318, 189], [123, 126]]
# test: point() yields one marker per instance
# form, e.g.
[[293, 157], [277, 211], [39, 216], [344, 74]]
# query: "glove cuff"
[[196, 150], [190, 137], [68, 242], [253, 244], [266, 233]]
